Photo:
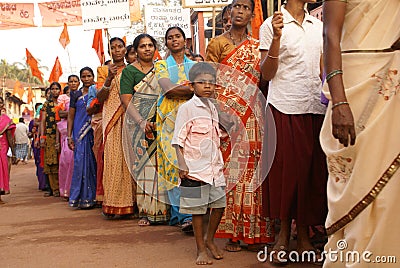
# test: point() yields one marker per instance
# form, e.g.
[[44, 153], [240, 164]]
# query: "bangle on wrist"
[[272, 57], [332, 74], [339, 103]]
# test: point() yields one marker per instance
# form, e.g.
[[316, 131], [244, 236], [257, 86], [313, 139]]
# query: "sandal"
[[47, 194], [187, 227], [233, 246], [108, 216], [144, 221], [319, 258], [279, 260]]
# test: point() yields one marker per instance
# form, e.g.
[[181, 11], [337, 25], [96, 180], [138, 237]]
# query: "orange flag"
[[257, 19], [56, 72], [32, 62], [64, 37], [30, 95], [157, 55], [98, 45], [18, 90], [124, 38]]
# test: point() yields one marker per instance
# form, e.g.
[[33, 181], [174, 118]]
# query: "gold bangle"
[[272, 57], [344, 1], [332, 74], [339, 103]]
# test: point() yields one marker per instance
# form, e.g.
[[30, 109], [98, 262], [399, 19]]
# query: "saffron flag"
[[257, 19], [157, 55], [32, 62], [30, 95], [124, 38], [56, 72], [64, 37], [18, 90], [98, 45]]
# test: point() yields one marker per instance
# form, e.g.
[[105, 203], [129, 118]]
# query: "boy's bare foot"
[[215, 251], [202, 258]]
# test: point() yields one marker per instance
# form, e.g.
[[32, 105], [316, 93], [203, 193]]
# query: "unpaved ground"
[[44, 232]]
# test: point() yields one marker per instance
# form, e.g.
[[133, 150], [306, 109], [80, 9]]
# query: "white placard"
[[204, 3], [101, 14], [160, 18]]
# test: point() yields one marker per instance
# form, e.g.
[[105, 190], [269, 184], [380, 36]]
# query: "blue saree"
[[83, 185]]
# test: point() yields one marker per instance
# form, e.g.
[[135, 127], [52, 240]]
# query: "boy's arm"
[[183, 168]]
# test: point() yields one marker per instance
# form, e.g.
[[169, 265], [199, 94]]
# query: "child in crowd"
[[197, 141]]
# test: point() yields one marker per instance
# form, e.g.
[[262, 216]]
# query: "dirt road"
[[37, 231]]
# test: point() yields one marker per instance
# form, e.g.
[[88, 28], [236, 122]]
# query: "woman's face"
[[2, 111], [1, 104], [73, 83], [131, 56], [226, 20], [55, 91], [118, 50], [146, 49], [175, 41], [241, 13], [87, 78]]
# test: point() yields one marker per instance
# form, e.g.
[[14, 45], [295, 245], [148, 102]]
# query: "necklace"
[[240, 40], [141, 66]]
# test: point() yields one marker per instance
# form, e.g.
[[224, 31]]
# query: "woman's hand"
[[277, 24], [147, 126], [58, 147], [71, 144], [343, 125], [112, 71], [42, 142]]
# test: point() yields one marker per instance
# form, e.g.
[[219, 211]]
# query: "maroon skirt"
[[295, 186]]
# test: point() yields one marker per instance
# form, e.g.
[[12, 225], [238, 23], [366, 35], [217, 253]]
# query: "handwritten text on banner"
[[204, 3], [100, 14], [160, 18], [15, 15]]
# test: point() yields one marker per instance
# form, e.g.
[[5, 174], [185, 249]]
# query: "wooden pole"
[[109, 44], [213, 21], [279, 5], [69, 58]]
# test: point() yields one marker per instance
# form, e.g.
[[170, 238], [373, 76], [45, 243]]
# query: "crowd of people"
[[163, 140]]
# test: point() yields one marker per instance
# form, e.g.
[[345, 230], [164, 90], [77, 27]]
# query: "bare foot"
[[202, 258], [215, 251]]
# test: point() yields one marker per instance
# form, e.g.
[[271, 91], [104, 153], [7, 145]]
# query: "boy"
[[197, 141]]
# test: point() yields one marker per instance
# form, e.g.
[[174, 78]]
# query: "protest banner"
[[204, 3], [159, 18], [56, 13], [103, 14], [16, 15]]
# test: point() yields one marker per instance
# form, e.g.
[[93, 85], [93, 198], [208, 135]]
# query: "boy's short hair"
[[201, 68]]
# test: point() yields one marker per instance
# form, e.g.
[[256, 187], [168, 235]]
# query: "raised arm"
[[270, 57], [342, 117]]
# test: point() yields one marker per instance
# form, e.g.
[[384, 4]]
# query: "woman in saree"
[[80, 140], [66, 160], [238, 52], [360, 134], [139, 94], [34, 130], [7, 128], [48, 133], [172, 75], [119, 187]]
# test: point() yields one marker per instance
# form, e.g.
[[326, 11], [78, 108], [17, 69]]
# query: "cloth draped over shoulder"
[[240, 98], [165, 121], [363, 187]]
